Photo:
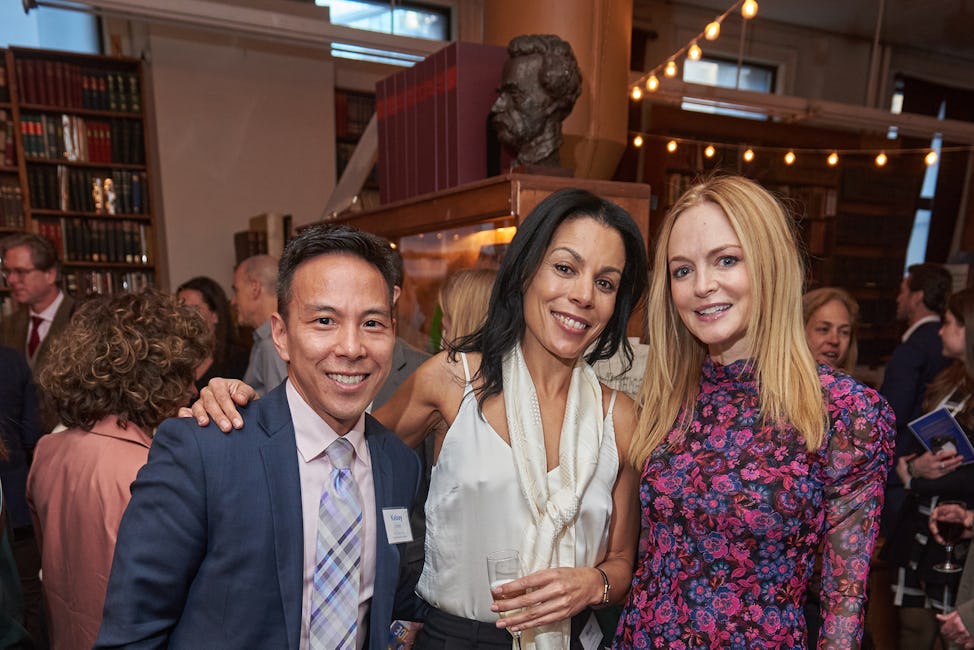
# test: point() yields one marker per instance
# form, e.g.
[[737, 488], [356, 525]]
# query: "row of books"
[[433, 121], [58, 187], [51, 82], [4, 83], [115, 241], [11, 206], [90, 283], [68, 137], [7, 143]]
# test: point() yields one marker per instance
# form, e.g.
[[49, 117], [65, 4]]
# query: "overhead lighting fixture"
[[652, 83], [790, 158], [670, 70], [749, 9], [671, 146], [748, 155], [712, 31], [709, 151], [694, 53], [637, 141]]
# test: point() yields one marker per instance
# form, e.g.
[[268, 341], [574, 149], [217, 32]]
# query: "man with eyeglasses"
[[30, 269], [29, 265]]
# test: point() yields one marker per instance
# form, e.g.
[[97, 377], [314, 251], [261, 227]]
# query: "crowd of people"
[[734, 500]]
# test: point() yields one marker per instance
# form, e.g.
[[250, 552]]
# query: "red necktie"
[[35, 335]]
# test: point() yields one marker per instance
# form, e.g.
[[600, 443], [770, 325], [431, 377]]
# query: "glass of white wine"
[[503, 567]]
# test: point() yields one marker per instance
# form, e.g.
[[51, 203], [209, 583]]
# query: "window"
[[400, 18], [50, 28], [724, 74]]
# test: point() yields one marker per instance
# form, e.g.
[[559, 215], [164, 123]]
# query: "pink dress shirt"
[[313, 436], [77, 489]]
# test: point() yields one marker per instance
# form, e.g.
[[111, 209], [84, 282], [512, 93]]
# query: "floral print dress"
[[733, 511]]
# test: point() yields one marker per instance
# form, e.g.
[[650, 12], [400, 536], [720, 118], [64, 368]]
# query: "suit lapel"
[[284, 486], [386, 555]]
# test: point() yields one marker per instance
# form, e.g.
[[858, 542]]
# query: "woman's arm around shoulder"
[[427, 400]]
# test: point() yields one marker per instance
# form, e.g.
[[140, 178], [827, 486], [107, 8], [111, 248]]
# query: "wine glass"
[[503, 567], [950, 525]]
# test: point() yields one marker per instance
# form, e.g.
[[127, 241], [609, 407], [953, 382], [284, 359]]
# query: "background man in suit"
[[255, 299], [915, 361], [214, 550], [31, 269]]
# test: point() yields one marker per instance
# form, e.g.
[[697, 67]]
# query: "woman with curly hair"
[[124, 364]]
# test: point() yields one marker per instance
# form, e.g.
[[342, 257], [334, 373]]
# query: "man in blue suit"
[[219, 545], [915, 362]]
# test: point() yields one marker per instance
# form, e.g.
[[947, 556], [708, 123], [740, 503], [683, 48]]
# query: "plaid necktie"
[[34, 341], [334, 594]]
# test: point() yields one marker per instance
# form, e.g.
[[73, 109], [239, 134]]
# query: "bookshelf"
[[353, 110], [80, 171]]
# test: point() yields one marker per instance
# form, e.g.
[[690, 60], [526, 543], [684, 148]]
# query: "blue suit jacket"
[[915, 362], [210, 551]]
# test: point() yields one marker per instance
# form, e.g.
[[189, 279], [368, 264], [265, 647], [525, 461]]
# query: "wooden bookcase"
[[81, 165]]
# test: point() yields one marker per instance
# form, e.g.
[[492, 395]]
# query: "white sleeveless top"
[[475, 506]]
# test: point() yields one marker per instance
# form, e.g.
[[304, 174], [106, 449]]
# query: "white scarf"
[[549, 540]]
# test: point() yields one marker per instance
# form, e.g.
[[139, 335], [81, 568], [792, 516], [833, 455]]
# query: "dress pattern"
[[733, 511]]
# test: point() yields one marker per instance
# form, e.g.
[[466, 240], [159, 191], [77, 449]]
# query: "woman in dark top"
[[229, 358]]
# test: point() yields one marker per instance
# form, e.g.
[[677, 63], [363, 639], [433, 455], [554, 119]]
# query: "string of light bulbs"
[[790, 155], [669, 68]]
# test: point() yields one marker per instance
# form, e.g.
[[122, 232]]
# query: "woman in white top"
[[529, 446]]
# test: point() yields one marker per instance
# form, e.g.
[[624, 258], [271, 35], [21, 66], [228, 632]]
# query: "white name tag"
[[398, 529], [591, 636]]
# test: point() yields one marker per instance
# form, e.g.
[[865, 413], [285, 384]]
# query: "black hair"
[[325, 239], [504, 325], [934, 281], [216, 299]]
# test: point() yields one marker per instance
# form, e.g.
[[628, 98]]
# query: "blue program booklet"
[[939, 430]]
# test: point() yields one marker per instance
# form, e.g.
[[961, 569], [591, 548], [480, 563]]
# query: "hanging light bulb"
[[790, 158], [670, 70], [749, 9], [748, 155], [671, 146], [833, 159], [930, 158], [637, 141], [636, 93], [709, 151], [712, 31], [652, 83], [881, 159], [694, 53]]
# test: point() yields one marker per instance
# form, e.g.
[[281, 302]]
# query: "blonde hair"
[[464, 298], [818, 298], [786, 373]]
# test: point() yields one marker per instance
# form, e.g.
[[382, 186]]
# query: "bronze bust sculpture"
[[539, 86]]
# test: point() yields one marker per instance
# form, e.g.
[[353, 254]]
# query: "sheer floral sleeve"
[[858, 457]]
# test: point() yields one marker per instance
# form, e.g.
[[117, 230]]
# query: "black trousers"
[[443, 631]]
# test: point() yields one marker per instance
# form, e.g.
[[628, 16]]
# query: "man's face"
[[906, 299], [29, 285], [244, 299], [339, 336], [522, 106]]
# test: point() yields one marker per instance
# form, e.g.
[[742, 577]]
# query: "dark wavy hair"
[[505, 325], [216, 300], [560, 76], [129, 355]]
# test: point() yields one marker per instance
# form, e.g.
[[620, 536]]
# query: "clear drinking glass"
[[950, 525], [503, 567]]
